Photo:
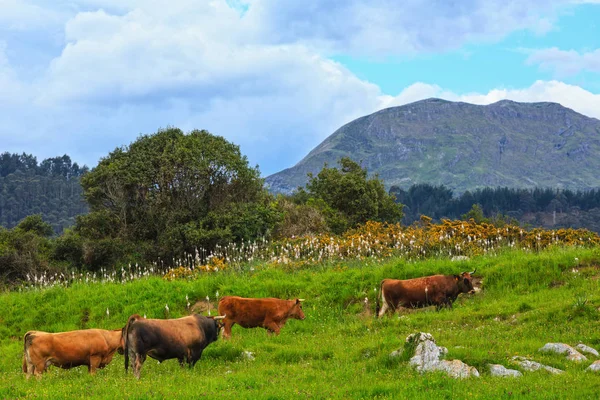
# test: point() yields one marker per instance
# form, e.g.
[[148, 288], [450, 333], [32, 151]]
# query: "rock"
[[595, 366], [587, 349], [248, 355], [397, 353], [457, 369], [501, 370], [561, 348], [427, 357], [529, 365]]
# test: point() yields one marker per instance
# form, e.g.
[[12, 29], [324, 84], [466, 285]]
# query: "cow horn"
[[471, 273], [218, 317], [301, 299]]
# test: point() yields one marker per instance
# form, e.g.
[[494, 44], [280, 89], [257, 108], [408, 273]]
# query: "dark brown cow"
[[92, 347], [269, 313], [162, 339], [438, 290]]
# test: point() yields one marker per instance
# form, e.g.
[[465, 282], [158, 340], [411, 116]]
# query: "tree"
[[176, 192], [348, 197]]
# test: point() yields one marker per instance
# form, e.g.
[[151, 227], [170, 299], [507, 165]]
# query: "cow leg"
[[227, 325], [39, 368], [94, 364], [194, 358], [28, 367], [137, 365], [384, 308], [272, 327]]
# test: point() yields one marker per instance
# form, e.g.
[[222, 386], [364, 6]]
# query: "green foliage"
[[24, 249], [476, 214], [298, 219], [170, 193], [347, 197], [36, 225]]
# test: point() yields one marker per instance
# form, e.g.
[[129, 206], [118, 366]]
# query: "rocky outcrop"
[[561, 348], [427, 356], [595, 366], [587, 349], [501, 370], [529, 365]]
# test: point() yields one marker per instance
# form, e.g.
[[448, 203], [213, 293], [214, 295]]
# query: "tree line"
[[535, 207], [172, 193], [50, 188]]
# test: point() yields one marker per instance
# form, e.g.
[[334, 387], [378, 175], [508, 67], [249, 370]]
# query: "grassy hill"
[[527, 300], [463, 146]]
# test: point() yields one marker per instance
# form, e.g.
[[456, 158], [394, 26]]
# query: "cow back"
[[250, 313]]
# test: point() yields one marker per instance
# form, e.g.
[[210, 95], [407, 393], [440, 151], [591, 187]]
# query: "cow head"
[[296, 310], [465, 282], [219, 321]]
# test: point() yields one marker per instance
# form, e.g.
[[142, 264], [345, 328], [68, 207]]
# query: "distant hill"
[[463, 146]]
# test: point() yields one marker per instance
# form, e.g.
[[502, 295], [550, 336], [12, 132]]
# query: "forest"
[[50, 188], [539, 207]]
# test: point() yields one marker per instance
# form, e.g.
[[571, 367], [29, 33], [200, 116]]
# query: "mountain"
[[463, 146]]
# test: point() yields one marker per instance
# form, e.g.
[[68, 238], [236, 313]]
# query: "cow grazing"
[[437, 290], [92, 347], [270, 313], [162, 339]]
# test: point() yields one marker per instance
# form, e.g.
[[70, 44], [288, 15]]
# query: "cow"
[[163, 339], [438, 290], [92, 347], [268, 313]]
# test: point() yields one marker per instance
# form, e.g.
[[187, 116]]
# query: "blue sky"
[[82, 77]]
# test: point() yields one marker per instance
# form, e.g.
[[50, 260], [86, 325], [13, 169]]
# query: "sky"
[[83, 77]]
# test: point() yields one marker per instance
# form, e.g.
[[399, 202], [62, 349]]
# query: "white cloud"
[[386, 26], [21, 15], [565, 62]]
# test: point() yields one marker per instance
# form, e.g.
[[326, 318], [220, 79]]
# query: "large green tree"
[[347, 196], [171, 193]]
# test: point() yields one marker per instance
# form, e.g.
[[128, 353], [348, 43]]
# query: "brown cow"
[[269, 313], [438, 290], [92, 347], [162, 339]]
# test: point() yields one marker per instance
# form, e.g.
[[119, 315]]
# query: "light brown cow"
[[269, 313], [438, 290], [92, 347]]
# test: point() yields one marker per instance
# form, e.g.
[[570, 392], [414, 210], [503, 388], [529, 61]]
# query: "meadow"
[[340, 350]]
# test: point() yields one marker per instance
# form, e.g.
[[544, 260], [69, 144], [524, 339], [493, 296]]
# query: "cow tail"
[[27, 340], [377, 304], [131, 320]]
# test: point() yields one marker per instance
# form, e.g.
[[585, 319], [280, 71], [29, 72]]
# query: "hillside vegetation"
[[528, 298], [463, 146]]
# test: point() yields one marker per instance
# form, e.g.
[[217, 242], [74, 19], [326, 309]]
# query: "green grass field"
[[527, 300]]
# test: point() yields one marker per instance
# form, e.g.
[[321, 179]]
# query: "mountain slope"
[[463, 146]]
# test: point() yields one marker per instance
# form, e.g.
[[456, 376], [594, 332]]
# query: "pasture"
[[338, 351]]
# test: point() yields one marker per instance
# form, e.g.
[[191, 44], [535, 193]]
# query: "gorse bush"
[[370, 241]]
